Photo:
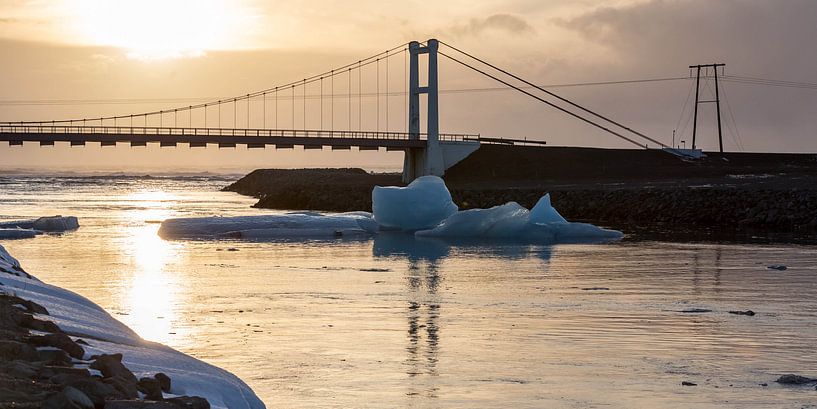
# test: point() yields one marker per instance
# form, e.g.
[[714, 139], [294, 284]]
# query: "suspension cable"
[[577, 116], [554, 95]]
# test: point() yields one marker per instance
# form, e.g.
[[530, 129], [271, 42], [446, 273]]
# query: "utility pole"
[[717, 100]]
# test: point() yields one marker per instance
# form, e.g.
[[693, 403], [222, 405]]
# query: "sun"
[[160, 29]]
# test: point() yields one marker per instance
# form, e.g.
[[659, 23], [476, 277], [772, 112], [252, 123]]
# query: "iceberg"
[[288, 225], [425, 207], [422, 204]]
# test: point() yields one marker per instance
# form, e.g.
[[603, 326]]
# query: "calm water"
[[394, 322]]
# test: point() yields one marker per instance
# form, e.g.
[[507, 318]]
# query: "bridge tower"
[[429, 160]]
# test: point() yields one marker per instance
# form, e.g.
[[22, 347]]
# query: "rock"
[[111, 366], [151, 388], [50, 371], [695, 311], [18, 369], [28, 321], [54, 357], [30, 306], [164, 381], [792, 379], [126, 387], [61, 341], [749, 313], [68, 398], [138, 404], [189, 402], [687, 383], [10, 350], [97, 391]]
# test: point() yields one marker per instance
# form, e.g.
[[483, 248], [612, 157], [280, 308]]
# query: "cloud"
[[501, 22]]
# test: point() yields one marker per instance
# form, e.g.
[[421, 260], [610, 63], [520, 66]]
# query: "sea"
[[391, 321]]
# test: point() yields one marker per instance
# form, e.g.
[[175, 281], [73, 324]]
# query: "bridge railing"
[[222, 132]]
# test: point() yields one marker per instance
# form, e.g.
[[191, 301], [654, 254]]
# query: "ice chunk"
[[49, 224], [9, 234], [513, 222], [296, 224], [544, 212], [422, 204], [56, 223], [508, 221]]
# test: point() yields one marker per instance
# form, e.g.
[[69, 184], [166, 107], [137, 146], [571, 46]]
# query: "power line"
[[132, 101]]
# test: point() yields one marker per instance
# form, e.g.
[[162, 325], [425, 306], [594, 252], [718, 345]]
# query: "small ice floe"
[[778, 267], [279, 226], [748, 313], [695, 311], [16, 233], [45, 224], [792, 379]]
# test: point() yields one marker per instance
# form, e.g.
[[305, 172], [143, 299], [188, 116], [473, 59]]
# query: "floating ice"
[[544, 212], [79, 317], [288, 225], [48, 224], [511, 221], [10, 234], [422, 204]]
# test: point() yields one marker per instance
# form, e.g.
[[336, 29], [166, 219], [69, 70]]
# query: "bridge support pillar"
[[428, 161]]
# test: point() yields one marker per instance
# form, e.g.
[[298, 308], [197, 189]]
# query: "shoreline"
[[60, 349], [741, 197]]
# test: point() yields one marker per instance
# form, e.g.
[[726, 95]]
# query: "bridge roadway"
[[48, 134]]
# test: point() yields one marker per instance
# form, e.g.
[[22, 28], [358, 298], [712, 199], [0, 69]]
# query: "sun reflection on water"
[[153, 289]]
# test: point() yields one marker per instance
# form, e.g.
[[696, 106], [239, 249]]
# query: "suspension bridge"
[[326, 110]]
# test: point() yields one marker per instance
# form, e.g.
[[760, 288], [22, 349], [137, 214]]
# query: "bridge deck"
[[79, 135]]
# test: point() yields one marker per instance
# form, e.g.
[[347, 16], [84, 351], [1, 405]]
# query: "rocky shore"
[[46, 366], [651, 194]]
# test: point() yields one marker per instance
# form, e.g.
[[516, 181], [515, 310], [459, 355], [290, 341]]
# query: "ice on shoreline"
[[79, 317], [288, 225]]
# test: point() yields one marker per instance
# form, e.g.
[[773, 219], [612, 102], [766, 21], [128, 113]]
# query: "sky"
[[90, 58]]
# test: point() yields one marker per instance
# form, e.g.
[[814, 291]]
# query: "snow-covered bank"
[[78, 317]]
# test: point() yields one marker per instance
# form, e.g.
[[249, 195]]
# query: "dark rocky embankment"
[[336, 190], [732, 195]]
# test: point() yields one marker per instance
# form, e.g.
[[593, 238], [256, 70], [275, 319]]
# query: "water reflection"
[[152, 291], [423, 313], [401, 245]]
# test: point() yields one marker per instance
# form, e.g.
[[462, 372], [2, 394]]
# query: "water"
[[393, 322]]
